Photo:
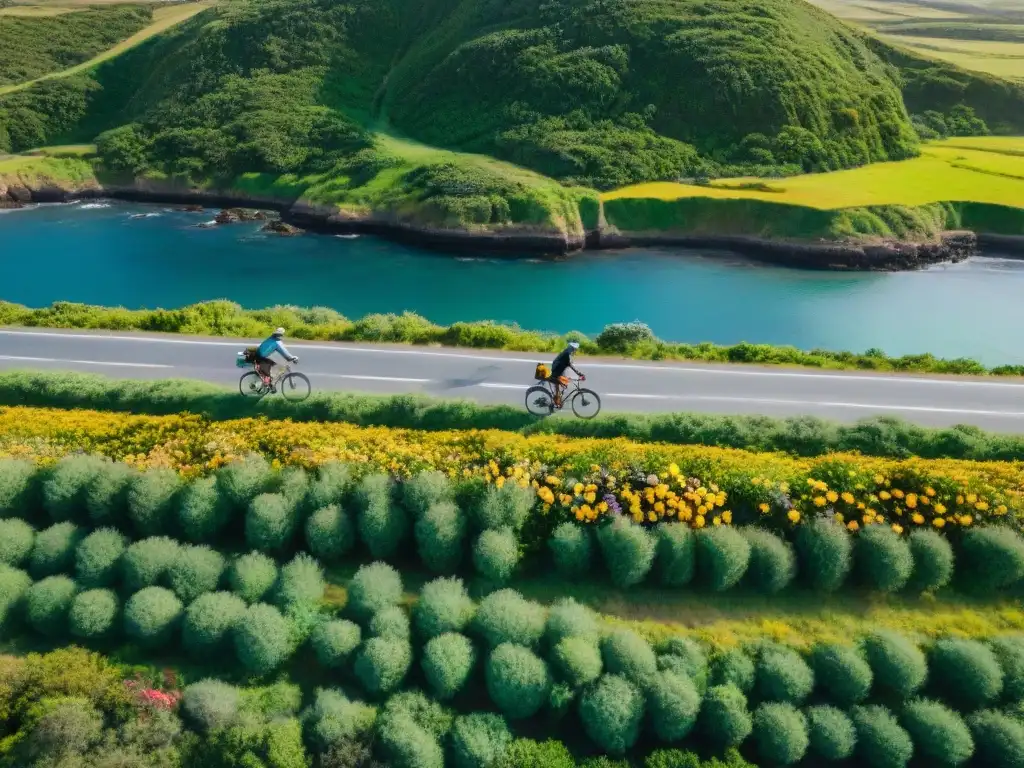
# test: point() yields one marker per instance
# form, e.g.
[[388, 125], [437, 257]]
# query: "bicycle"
[[540, 399], [291, 384]]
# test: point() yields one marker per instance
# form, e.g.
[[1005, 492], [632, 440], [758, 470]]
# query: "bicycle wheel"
[[586, 404], [539, 401], [295, 386], [251, 385]]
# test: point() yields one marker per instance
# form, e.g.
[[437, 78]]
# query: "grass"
[[36, 172], [1003, 59]]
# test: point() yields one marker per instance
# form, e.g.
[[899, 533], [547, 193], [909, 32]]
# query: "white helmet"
[[279, 331], [574, 346]]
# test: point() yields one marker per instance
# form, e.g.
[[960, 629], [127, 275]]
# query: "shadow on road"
[[479, 376]]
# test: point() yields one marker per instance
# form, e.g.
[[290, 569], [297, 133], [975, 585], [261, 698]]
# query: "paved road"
[[496, 377]]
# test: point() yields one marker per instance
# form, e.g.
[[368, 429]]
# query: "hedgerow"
[[964, 673], [881, 741], [783, 676], [841, 673], [898, 665], [939, 734], [612, 711], [831, 734], [780, 733]]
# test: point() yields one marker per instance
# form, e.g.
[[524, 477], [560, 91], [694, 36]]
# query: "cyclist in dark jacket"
[[559, 366]]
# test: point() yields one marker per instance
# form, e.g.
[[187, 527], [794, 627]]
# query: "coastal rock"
[[231, 215], [279, 227], [19, 194], [226, 216], [6, 204], [193, 209]]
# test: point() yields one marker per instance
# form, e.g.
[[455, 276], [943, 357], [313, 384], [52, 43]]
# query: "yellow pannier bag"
[[542, 372]]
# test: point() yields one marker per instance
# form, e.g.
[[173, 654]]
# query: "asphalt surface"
[[497, 377]]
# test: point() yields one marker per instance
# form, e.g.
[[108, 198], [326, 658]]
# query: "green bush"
[[939, 734], [628, 655], [209, 622], [65, 484], [93, 614], [382, 664], [673, 702], [337, 722], [628, 551], [98, 558], [496, 554], [202, 511], [334, 642], [831, 735], [447, 662], [404, 744], [195, 571], [685, 657], [572, 550], [106, 497], [301, 583], [517, 681], [251, 576], [270, 522], [479, 740], [210, 705], [734, 667], [933, 561], [261, 638], [433, 717], [329, 488], [440, 531], [443, 606], [676, 559], [373, 587], [330, 533], [998, 740], [390, 622], [724, 719], [783, 676], [505, 507], [54, 549], [780, 734], [14, 585], [151, 616], [151, 496], [965, 673], [506, 617], [1010, 653], [825, 554], [898, 665], [991, 558], [883, 559], [526, 753], [145, 562], [881, 741], [383, 525], [611, 711], [842, 674], [772, 564], [16, 540], [242, 481], [722, 557], [425, 490], [292, 483], [577, 661], [18, 487], [48, 603], [567, 618]]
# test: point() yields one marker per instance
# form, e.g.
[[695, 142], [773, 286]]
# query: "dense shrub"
[[479, 740], [883, 559], [686, 657], [447, 662], [151, 496], [831, 735], [145, 562], [18, 486], [991, 558], [425, 490], [772, 564], [151, 615], [965, 673], [404, 744], [899, 666], [998, 740], [722, 557], [611, 711], [373, 587], [440, 531], [673, 702], [334, 641], [1010, 653], [16, 540], [209, 622], [881, 741], [106, 497], [14, 586], [390, 622], [526, 753], [336, 722], [93, 614], [433, 717], [506, 507], [933, 561], [242, 481], [301, 583], [382, 664], [65, 484], [825, 553], [210, 704], [330, 533], [270, 522], [724, 719], [675, 559], [98, 557], [940, 735], [251, 576], [48, 603], [572, 550], [841, 673], [780, 734], [195, 570], [628, 551], [517, 680], [628, 655], [782, 675], [383, 525], [202, 510], [443, 606], [577, 661], [506, 617], [54, 549], [567, 618], [330, 485], [261, 639], [293, 483], [734, 667], [496, 554]]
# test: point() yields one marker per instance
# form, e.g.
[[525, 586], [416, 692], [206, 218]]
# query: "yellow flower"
[[897, 528], [1001, 509], [981, 506], [839, 517], [673, 470], [848, 497], [590, 497], [578, 488], [652, 517], [727, 517], [939, 522], [794, 516], [716, 521], [832, 496], [966, 520], [940, 509], [911, 501], [755, 481], [765, 509], [546, 495], [897, 493], [552, 480], [660, 508], [853, 525], [499, 481], [884, 495], [929, 491], [918, 518], [971, 498], [819, 501], [698, 521], [879, 479]]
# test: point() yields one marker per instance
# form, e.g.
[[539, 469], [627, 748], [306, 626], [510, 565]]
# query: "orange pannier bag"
[[542, 372]]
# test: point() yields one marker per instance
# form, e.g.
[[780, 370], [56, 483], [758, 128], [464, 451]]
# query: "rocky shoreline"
[[296, 218]]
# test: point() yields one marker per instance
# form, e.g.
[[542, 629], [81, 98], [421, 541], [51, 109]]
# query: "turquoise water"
[[108, 255]]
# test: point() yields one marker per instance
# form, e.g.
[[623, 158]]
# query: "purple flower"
[[613, 503]]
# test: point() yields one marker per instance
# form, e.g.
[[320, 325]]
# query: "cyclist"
[[269, 346], [558, 366]]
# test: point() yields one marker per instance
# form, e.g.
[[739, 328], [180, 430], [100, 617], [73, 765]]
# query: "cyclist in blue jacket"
[[270, 345]]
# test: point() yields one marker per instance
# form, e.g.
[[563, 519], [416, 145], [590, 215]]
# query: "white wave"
[[144, 215], [348, 237], [93, 206]]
